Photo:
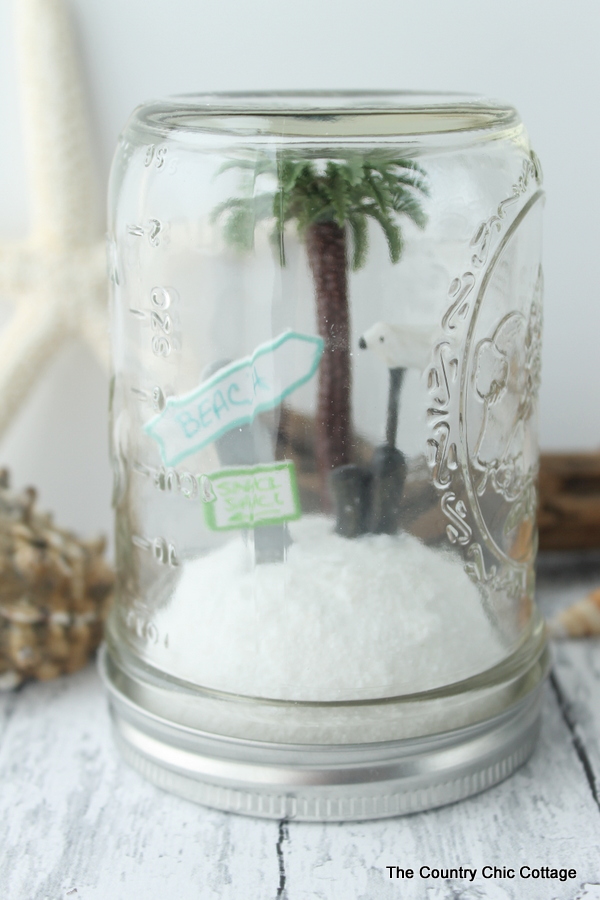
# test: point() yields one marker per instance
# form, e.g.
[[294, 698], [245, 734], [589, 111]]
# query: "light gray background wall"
[[541, 55]]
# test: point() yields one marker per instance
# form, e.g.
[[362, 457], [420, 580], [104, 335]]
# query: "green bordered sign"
[[252, 496]]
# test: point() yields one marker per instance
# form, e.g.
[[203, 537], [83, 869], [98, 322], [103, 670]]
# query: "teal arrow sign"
[[234, 395]]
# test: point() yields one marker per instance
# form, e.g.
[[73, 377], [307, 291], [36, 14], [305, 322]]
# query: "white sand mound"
[[341, 619]]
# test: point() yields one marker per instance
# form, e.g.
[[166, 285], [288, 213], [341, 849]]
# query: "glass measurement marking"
[[163, 551], [178, 481], [152, 230], [154, 395], [161, 321]]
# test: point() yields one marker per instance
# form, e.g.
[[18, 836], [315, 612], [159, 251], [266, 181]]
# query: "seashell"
[[27, 558], [60, 617], [22, 612], [48, 670], [54, 592], [9, 680], [582, 619]]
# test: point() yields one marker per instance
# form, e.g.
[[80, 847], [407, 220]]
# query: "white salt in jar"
[[326, 340]]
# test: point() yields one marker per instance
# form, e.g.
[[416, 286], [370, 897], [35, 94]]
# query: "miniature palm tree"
[[329, 204]]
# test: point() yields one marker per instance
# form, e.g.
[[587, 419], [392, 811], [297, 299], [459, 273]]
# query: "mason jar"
[[326, 326]]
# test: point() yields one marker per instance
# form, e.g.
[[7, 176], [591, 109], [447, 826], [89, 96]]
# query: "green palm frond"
[[291, 172], [405, 203], [392, 232], [355, 168], [339, 191], [242, 216], [410, 164], [360, 240], [397, 178], [346, 192], [239, 227]]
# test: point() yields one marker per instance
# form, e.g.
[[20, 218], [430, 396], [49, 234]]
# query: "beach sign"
[[234, 395]]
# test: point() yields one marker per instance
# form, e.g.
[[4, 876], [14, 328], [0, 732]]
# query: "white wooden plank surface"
[[76, 823], [577, 663]]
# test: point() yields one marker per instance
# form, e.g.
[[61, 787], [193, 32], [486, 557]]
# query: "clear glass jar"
[[326, 326]]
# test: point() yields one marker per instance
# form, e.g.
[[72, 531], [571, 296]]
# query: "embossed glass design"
[[326, 323]]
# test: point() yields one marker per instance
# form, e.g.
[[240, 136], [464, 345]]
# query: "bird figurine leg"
[[351, 489], [396, 379], [388, 468]]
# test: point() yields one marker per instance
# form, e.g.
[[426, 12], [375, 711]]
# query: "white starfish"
[[57, 276]]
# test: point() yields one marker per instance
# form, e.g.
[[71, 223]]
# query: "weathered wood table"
[[77, 823]]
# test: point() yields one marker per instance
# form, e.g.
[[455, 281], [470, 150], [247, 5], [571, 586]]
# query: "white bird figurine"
[[401, 347]]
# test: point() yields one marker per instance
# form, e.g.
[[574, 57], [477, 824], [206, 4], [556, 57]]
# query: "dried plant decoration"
[[54, 592], [582, 619]]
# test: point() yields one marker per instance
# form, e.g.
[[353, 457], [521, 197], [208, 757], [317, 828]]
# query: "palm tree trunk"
[[326, 249]]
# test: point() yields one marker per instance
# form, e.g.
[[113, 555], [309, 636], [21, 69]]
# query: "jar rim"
[[325, 115]]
